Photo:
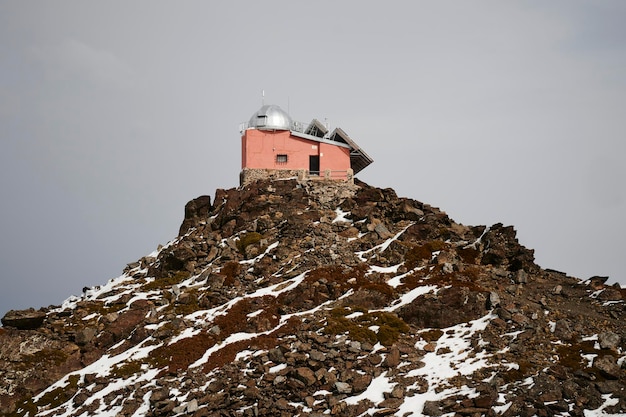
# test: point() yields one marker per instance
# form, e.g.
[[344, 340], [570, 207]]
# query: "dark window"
[[281, 159]]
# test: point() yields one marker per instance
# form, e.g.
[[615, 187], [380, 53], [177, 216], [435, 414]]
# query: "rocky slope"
[[285, 298]]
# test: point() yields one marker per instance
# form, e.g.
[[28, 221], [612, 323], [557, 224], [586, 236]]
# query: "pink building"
[[273, 145]]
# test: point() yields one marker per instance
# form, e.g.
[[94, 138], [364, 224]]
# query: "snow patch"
[[410, 296], [258, 258], [439, 368], [277, 368], [374, 392], [384, 269], [599, 412], [341, 216], [383, 246]]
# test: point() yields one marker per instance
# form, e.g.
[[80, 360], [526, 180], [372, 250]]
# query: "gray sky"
[[114, 114]]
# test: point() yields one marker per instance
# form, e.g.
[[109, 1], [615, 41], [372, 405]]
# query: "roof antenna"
[[262, 97]]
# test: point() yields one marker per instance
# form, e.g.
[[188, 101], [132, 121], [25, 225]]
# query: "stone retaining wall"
[[248, 175]]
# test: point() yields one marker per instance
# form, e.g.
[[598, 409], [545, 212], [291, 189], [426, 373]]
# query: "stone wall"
[[249, 175]]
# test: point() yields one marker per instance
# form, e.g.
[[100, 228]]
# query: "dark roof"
[[359, 160]]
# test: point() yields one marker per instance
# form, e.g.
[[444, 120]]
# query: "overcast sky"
[[114, 114]]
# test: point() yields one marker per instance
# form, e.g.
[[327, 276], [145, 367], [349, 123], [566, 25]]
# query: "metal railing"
[[296, 126], [330, 174]]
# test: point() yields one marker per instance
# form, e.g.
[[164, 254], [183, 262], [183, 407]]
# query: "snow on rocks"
[[381, 247], [341, 216], [288, 299]]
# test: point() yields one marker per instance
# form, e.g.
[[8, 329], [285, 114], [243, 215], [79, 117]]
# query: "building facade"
[[274, 146]]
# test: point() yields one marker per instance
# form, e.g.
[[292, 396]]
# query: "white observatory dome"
[[270, 117]]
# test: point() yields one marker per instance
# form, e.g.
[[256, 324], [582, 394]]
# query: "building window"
[[281, 159]]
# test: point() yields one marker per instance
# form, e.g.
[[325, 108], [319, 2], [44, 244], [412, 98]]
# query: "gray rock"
[[608, 366], [215, 281], [279, 380], [111, 317], [494, 300], [431, 408], [521, 277], [164, 407], [355, 346], [563, 330], [382, 231], [85, 335], [276, 355], [609, 340], [159, 395], [504, 314], [343, 387], [316, 355]]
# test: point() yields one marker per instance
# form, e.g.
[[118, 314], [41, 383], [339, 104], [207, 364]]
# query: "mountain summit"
[[309, 298]]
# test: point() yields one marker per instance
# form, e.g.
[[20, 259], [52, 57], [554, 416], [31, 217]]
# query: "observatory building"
[[275, 146]]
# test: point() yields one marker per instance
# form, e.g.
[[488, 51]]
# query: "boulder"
[[505, 250], [305, 375], [597, 282], [609, 340], [85, 335], [195, 210], [521, 277], [24, 319], [494, 299], [382, 231], [393, 358], [343, 387], [608, 367], [448, 307], [563, 330], [432, 408]]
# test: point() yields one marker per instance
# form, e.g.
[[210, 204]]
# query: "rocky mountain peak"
[[311, 298]]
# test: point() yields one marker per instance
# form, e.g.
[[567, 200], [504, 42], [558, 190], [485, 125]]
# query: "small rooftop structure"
[[270, 117], [272, 144]]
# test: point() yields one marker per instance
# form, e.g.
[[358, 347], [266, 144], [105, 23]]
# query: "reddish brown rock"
[[24, 319]]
